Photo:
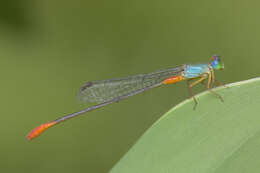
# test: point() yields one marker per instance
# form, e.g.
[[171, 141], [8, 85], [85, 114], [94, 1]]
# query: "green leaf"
[[216, 137]]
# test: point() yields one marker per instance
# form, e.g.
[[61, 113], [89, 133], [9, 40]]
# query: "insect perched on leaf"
[[105, 92]]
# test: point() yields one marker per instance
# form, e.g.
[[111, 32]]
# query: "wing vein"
[[105, 90]]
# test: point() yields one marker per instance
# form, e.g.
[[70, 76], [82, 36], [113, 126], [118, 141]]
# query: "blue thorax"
[[196, 70]]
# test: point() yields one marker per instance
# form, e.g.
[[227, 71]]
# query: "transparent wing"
[[105, 90]]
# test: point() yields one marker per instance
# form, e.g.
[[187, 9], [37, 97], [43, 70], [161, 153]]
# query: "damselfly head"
[[216, 63]]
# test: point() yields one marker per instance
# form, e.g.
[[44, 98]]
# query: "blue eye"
[[216, 62]]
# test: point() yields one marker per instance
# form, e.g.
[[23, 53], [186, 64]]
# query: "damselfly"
[[105, 92]]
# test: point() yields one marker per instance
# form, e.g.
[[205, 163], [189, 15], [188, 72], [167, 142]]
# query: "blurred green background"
[[48, 49]]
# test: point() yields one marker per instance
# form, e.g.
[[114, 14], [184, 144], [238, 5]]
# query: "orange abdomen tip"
[[38, 130]]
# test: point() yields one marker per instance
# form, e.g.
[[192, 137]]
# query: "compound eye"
[[215, 57]]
